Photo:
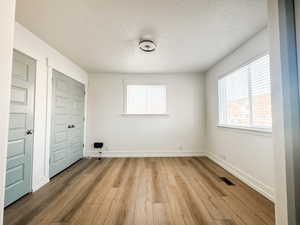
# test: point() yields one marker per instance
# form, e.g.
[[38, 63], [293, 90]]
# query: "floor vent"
[[227, 181]]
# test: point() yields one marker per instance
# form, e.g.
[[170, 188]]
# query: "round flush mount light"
[[147, 45]]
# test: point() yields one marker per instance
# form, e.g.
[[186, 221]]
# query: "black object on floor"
[[227, 181], [98, 145]]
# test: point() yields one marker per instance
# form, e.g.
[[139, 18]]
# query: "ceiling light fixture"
[[147, 45]]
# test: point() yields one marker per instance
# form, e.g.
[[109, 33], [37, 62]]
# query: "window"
[[146, 99], [245, 96]]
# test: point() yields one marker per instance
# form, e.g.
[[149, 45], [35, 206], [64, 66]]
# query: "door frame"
[[285, 107], [52, 112], [7, 23]]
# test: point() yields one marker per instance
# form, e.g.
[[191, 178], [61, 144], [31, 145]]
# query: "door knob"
[[29, 132], [69, 126]]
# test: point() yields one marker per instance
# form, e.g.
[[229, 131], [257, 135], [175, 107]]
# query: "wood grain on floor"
[[142, 191]]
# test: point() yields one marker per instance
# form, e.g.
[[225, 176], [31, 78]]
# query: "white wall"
[[47, 59], [249, 155], [179, 134], [7, 18]]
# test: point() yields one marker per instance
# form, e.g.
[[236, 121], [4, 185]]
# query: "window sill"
[[146, 115], [247, 129]]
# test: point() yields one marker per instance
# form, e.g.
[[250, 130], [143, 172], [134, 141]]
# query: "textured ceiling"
[[103, 35]]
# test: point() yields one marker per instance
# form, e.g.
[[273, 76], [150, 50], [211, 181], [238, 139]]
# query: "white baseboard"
[[257, 185], [136, 154], [42, 182]]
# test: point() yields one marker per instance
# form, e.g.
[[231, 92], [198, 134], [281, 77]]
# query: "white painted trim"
[[43, 181], [144, 115], [260, 131], [257, 185], [7, 17], [142, 154], [285, 108]]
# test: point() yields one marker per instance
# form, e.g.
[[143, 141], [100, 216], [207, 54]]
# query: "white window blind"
[[146, 99], [245, 96]]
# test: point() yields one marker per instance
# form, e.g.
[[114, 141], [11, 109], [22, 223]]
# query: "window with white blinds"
[[245, 96], [146, 99]]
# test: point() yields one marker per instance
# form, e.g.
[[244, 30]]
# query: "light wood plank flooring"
[[142, 191]]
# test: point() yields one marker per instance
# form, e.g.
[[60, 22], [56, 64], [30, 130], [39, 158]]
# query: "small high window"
[[146, 99]]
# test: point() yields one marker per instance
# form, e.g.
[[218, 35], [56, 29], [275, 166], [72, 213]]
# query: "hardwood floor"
[[142, 191]]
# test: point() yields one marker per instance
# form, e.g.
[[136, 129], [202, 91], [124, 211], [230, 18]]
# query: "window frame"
[[237, 127], [145, 83]]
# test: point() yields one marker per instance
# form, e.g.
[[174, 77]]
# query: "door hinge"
[[82, 145]]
